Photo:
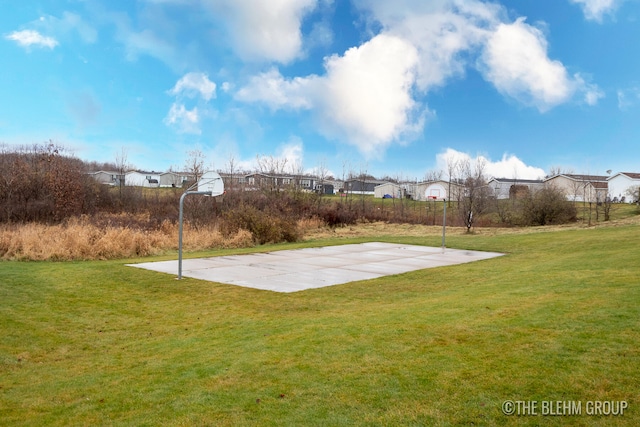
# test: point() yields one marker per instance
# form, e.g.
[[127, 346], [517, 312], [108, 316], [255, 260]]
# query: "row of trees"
[[43, 183]]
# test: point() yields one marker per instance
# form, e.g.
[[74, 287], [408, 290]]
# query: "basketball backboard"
[[435, 191], [211, 181]]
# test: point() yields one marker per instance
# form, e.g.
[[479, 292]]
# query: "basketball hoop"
[[433, 197]]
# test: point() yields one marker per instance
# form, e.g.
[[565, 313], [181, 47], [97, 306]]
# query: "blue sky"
[[388, 87]]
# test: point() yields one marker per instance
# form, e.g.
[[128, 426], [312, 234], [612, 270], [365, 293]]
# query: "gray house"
[[505, 188]]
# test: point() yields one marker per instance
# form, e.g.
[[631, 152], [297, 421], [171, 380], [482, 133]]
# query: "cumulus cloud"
[[595, 10], [272, 89], [194, 84], [28, 38], [364, 97], [440, 30], [367, 96], [264, 29], [184, 120], [515, 60], [509, 166]]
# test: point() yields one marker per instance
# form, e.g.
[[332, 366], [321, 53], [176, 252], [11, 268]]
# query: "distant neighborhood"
[[618, 188]]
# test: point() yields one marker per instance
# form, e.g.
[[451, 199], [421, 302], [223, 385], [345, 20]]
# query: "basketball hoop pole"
[[444, 221], [185, 194]]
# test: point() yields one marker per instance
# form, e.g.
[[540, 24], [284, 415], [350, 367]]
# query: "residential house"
[[175, 179], [361, 186], [142, 179], [107, 177], [505, 188], [423, 190], [580, 188], [389, 188], [621, 184]]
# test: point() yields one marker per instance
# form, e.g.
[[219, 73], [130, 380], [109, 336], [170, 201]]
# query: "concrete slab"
[[309, 268]]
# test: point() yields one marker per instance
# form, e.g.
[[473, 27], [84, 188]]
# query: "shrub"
[[265, 227], [546, 207]]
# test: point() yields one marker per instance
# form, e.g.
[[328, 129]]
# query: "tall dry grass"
[[81, 239]]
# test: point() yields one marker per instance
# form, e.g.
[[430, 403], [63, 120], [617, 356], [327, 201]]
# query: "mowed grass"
[[558, 318]]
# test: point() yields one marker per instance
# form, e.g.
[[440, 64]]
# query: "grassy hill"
[[557, 319]]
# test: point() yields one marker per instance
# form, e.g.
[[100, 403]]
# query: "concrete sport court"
[[301, 269]]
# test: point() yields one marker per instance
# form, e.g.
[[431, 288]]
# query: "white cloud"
[[594, 10], [364, 97], [194, 84], [367, 96], [440, 30], [263, 29], [272, 89], [184, 120], [28, 38], [509, 166], [515, 60]]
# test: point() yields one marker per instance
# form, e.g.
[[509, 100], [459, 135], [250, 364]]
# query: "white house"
[[621, 183], [142, 179], [427, 189], [504, 188]]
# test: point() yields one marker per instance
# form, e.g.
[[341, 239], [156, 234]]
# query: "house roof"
[[598, 184], [590, 178], [582, 178], [518, 181], [632, 175]]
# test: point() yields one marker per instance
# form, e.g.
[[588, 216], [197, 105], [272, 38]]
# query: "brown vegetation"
[[51, 209], [80, 239]]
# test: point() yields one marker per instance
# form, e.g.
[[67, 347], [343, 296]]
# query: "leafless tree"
[[194, 164], [474, 199], [452, 167], [231, 169], [122, 167]]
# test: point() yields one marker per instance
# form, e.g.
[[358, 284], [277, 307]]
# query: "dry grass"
[[79, 239], [317, 232], [117, 238]]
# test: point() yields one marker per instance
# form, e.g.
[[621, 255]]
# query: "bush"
[[547, 207], [265, 227]]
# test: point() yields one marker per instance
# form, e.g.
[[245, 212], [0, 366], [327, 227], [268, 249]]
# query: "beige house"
[[388, 188], [423, 190], [580, 188]]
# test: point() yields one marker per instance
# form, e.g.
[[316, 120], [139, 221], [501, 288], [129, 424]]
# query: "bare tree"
[[435, 175], [122, 167], [194, 164], [231, 169], [452, 167], [474, 199], [273, 167]]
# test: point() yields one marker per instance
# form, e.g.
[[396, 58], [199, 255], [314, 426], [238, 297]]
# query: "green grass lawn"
[[557, 319]]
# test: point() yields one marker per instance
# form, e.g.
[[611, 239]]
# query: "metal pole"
[[444, 221], [186, 193]]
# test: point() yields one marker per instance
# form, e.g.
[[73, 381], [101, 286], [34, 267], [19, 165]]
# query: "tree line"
[[43, 183]]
